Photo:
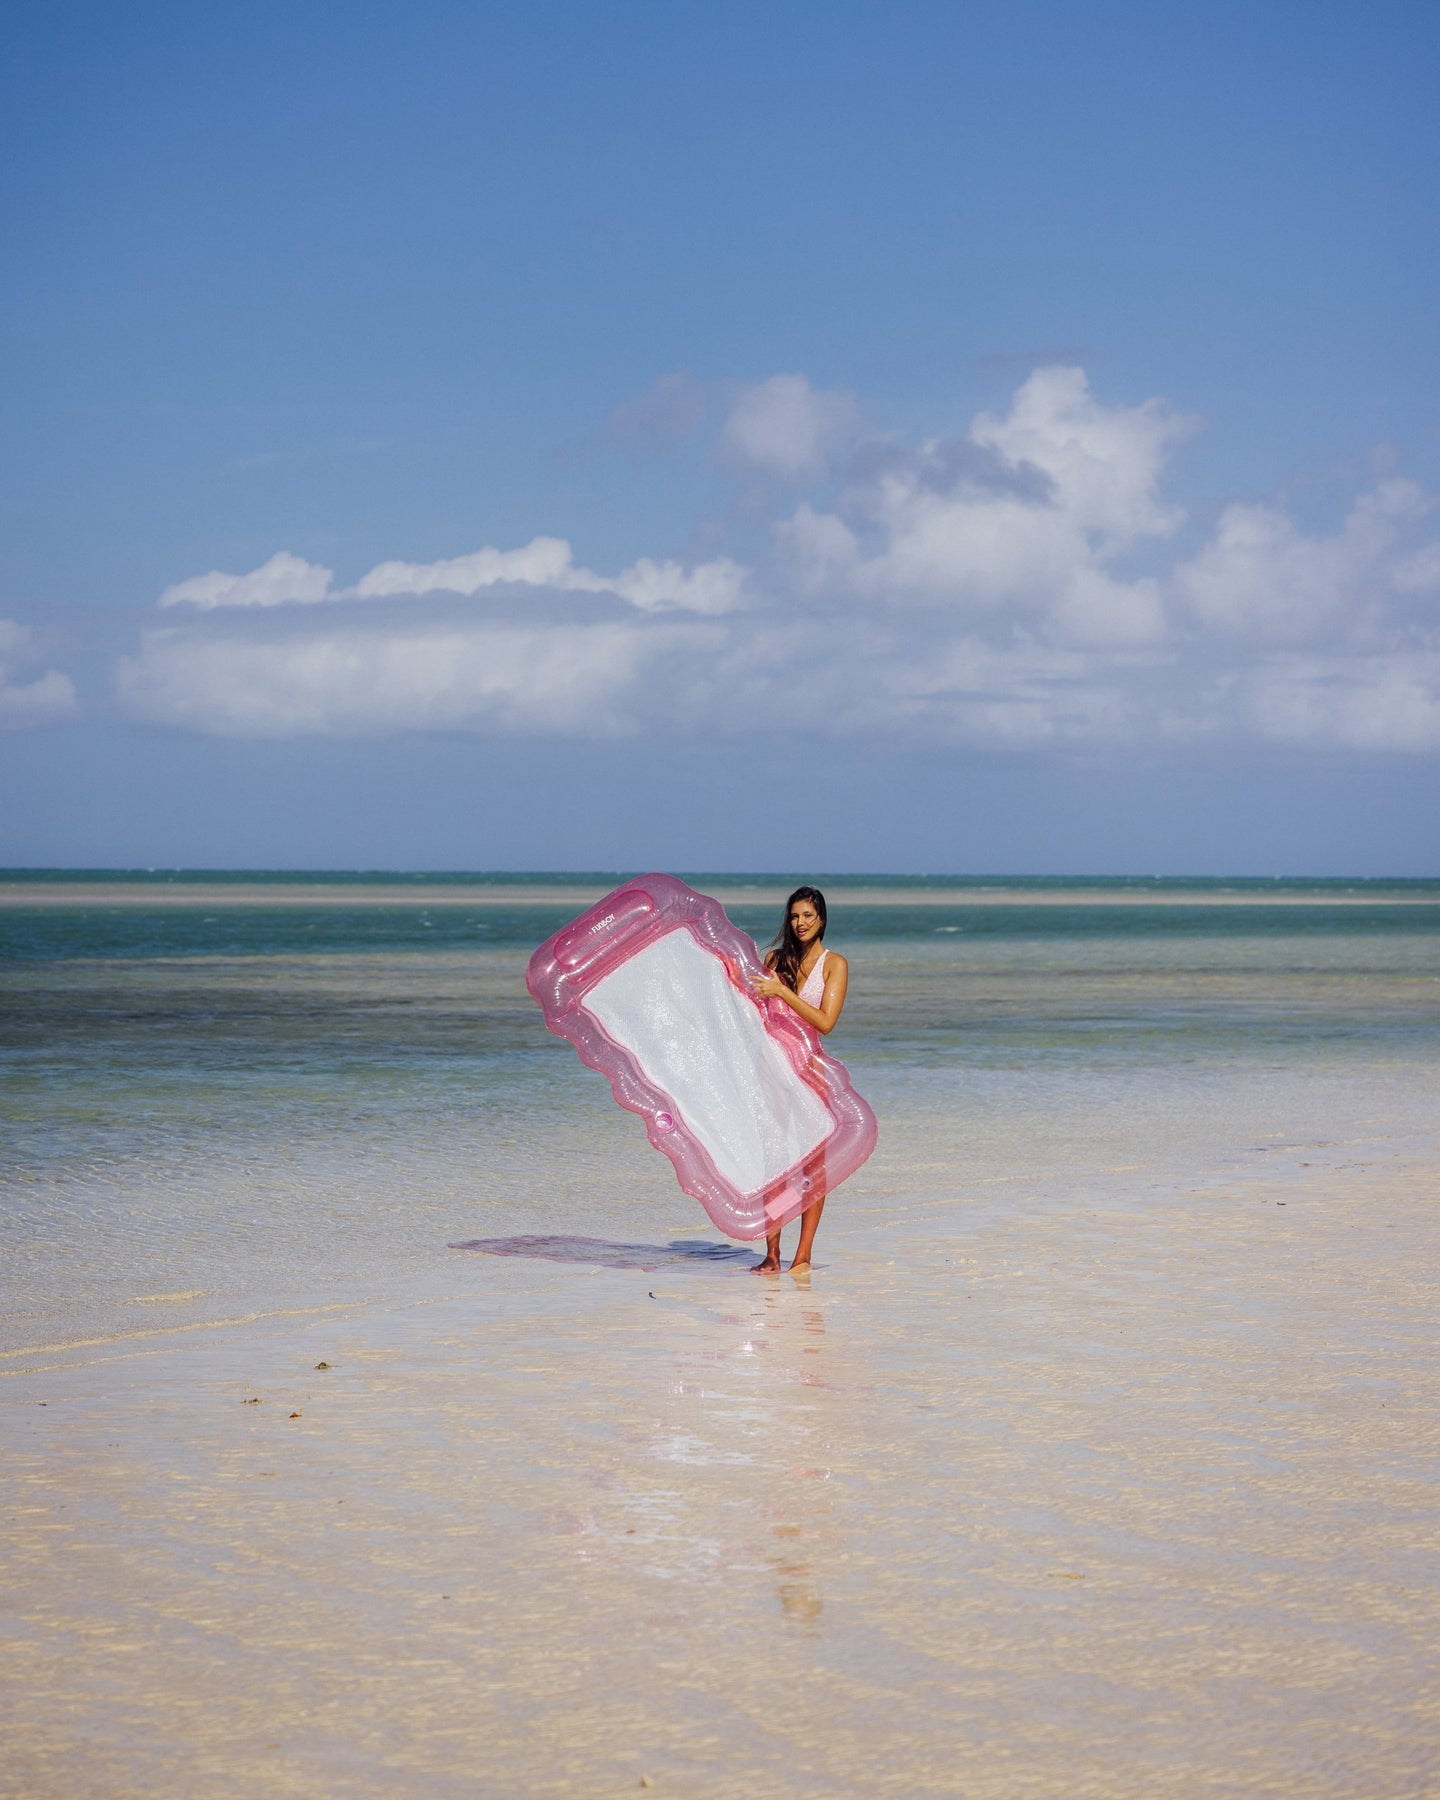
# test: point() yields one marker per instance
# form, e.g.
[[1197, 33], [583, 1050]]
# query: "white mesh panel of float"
[[673, 1007]]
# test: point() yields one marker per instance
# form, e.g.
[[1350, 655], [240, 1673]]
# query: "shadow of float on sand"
[[606, 1255]]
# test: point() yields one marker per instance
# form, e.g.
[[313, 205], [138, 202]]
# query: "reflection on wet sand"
[[794, 1425], [799, 1597]]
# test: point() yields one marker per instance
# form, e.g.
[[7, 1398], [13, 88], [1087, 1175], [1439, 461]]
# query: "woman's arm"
[[824, 1016]]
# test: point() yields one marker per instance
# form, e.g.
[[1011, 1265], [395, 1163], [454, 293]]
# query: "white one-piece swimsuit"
[[812, 991]]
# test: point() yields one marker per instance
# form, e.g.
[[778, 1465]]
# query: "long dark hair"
[[786, 951]]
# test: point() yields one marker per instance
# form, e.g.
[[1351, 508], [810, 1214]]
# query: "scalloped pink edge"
[[566, 966]]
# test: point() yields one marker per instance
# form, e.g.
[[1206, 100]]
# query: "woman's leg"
[[809, 1219], [771, 1264]]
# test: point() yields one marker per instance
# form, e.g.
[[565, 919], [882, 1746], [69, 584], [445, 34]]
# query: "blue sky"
[[924, 437]]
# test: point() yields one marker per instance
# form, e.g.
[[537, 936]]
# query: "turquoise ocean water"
[[232, 1105]]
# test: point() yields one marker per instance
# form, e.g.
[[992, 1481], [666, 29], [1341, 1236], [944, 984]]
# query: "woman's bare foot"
[[771, 1264], [799, 1268]]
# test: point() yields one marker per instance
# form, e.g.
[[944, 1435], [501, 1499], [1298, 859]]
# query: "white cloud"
[[820, 552], [1105, 461], [980, 588], [1019, 517], [712, 587], [566, 680], [1262, 578], [282, 580], [48, 700], [1353, 703], [543, 562], [786, 429], [1418, 574]]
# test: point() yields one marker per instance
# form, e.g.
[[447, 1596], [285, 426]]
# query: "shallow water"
[[1097, 1458], [252, 1123]]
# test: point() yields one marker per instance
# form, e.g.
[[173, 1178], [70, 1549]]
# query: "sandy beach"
[[1097, 1457], [1035, 1500]]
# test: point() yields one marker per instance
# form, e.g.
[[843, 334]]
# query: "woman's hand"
[[820, 1018]]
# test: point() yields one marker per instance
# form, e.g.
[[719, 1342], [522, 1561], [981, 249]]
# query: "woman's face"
[[805, 921]]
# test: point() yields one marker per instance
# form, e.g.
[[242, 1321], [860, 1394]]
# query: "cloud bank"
[[49, 699], [1024, 582], [545, 562]]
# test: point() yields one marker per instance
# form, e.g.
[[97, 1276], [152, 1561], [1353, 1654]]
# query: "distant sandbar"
[[320, 893]]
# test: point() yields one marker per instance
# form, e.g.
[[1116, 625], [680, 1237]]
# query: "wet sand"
[[1038, 1488], [1098, 1458]]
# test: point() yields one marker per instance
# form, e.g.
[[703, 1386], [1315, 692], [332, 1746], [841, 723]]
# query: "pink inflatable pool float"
[[652, 987]]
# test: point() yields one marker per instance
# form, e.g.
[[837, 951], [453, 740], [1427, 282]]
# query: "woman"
[[811, 980]]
